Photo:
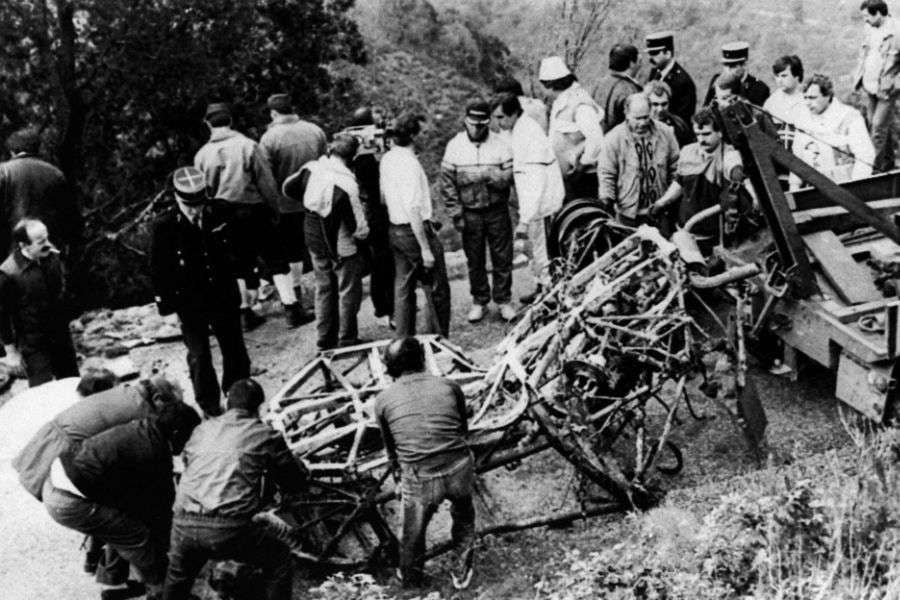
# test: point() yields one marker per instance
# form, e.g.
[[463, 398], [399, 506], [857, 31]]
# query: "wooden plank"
[[852, 281]]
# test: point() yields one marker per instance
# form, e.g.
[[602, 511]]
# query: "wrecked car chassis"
[[595, 369]]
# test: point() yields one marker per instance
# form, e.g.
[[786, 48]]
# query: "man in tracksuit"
[[476, 178]]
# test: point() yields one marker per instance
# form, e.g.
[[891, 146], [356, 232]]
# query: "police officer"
[[734, 60], [661, 50], [194, 275]]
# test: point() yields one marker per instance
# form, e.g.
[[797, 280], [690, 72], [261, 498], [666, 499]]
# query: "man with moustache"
[[34, 322]]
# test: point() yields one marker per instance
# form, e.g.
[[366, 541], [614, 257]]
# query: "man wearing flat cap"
[[734, 60], [661, 51], [236, 171], [476, 178], [289, 143], [194, 276], [574, 129]]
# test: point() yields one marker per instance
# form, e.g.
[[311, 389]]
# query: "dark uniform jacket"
[[225, 462], [80, 421], [755, 90], [684, 93], [128, 467], [32, 314], [194, 270], [610, 94], [31, 187]]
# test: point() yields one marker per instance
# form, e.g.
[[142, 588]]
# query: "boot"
[[251, 319], [296, 316], [529, 298]]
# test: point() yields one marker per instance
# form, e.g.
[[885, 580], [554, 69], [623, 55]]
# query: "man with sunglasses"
[[683, 92]]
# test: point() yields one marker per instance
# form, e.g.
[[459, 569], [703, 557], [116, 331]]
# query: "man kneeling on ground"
[[423, 423], [118, 486], [220, 491]]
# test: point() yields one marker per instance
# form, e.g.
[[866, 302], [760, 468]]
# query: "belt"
[[484, 209]]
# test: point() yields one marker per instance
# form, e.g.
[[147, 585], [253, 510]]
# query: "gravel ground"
[[41, 559]]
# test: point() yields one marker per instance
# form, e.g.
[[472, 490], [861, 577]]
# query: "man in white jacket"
[[832, 137], [538, 181]]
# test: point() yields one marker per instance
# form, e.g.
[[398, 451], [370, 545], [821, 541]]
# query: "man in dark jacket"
[[289, 143], [89, 417], [194, 275], [118, 485], [334, 221], [377, 247], [423, 423], [34, 323], [613, 89], [221, 489], [32, 187], [683, 92], [734, 60]]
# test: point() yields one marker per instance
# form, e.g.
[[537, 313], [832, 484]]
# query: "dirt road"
[[40, 559]]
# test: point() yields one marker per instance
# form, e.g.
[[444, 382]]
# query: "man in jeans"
[[221, 489], [476, 178], [876, 72], [117, 485], [423, 423], [334, 221], [418, 253]]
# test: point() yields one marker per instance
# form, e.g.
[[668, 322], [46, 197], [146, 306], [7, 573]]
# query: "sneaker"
[[476, 313], [132, 589], [529, 298], [251, 319], [507, 311], [462, 574], [296, 316]]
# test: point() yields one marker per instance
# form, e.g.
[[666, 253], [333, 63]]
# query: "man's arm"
[[608, 173], [671, 195], [449, 188], [588, 121], [161, 271], [860, 146], [418, 229], [265, 181], [286, 471], [390, 445], [461, 408], [7, 307]]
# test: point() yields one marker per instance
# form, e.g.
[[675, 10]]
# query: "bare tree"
[[581, 22]]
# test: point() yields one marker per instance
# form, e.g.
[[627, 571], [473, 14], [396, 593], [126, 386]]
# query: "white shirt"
[[586, 121], [838, 126], [404, 185], [787, 108], [538, 179]]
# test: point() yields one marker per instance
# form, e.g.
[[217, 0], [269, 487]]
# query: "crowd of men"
[[361, 204]]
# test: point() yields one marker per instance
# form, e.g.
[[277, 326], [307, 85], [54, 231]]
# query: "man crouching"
[[423, 422]]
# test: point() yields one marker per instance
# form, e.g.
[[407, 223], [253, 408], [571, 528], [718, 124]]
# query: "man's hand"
[[656, 208], [427, 258], [13, 360]]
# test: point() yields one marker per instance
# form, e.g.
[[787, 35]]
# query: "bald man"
[[637, 163], [34, 323]]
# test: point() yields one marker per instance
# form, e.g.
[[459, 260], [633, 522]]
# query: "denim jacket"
[[890, 63]]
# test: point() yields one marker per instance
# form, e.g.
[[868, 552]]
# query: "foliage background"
[[118, 89]]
